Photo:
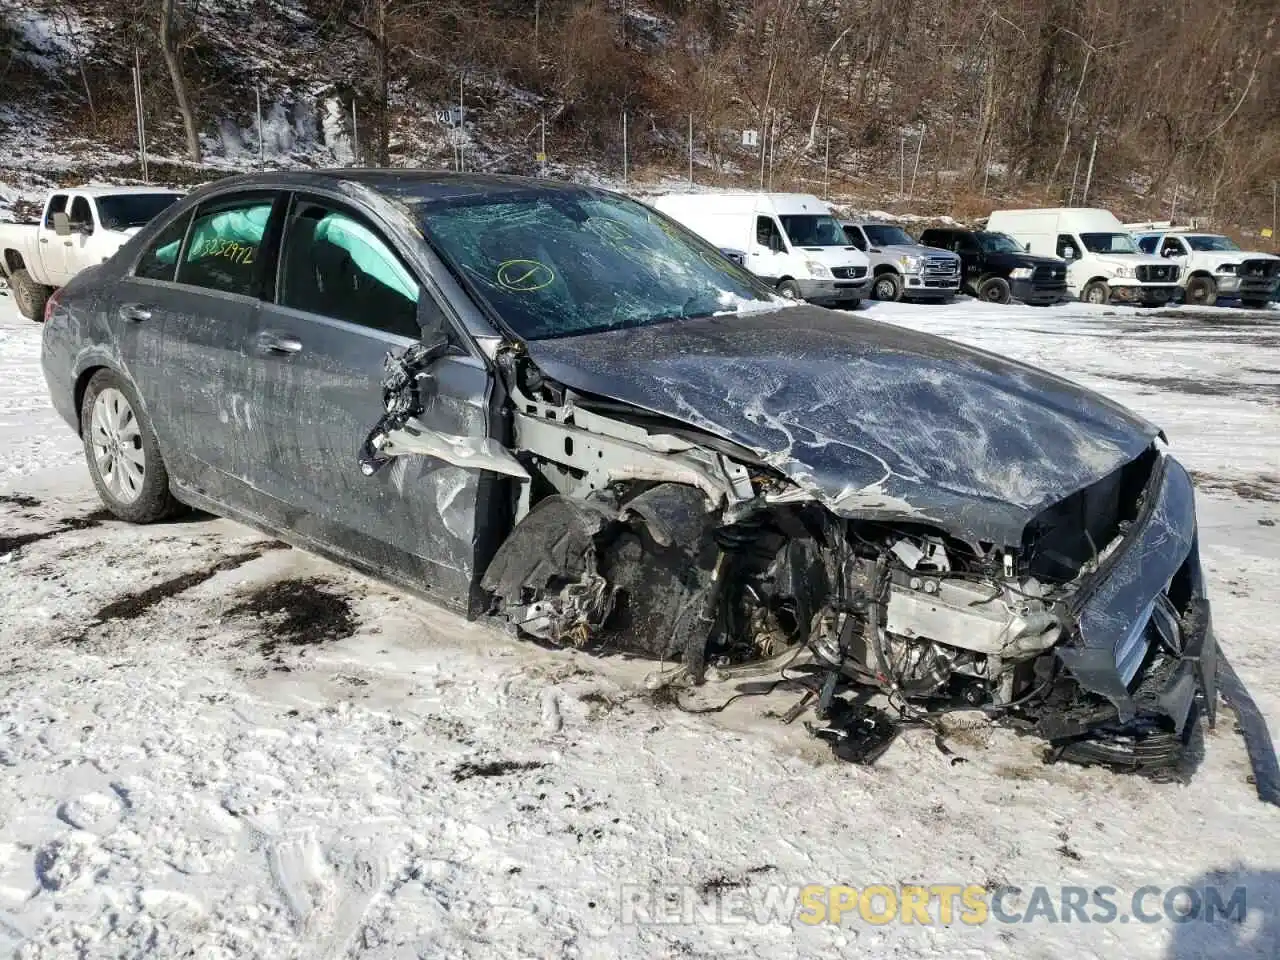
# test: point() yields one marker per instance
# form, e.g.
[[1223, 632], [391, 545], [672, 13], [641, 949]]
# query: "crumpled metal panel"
[[1120, 599], [874, 420]]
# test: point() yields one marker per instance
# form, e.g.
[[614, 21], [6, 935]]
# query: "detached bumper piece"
[[1144, 658]]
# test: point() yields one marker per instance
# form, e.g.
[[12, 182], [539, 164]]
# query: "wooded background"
[[999, 97]]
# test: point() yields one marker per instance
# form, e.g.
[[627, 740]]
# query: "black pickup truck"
[[997, 269]]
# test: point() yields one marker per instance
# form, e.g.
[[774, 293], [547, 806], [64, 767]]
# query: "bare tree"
[[173, 60]]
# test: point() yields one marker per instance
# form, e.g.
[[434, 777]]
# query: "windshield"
[[999, 243], [1108, 242], [125, 210], [1212, 243], [883, 235], [554, 264], [814, 230]]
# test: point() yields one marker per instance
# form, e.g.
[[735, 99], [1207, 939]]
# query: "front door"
[[344, 300], [767, 256]]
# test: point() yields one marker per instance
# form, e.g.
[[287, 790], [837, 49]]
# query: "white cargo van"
[[788, 239], [1104, 263]]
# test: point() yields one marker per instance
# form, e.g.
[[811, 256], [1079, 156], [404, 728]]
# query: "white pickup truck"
[[77, 229], [1212, 265]]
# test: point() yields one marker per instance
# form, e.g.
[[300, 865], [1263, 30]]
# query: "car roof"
[[406, 185], [109, 191]]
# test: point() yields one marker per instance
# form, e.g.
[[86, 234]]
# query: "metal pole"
[[141, 117], [624, 149], [543, 150], [1275, 236], [355, 135], [262, 143], [902, 166], [462, 121], [986, 167], [691, 149], [764, 141], [773, 143], [1088, 177], [1173, 209], [916, 169], [1075, 175], [826, 169]]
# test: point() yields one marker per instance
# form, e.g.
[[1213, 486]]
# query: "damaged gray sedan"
[[551, 405]]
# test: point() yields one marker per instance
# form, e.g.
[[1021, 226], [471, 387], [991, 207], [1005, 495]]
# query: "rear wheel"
[[886, 286], [995, 290], [29, 295], [1096, 292], [1201, 291], [790, 289], [122, 452]]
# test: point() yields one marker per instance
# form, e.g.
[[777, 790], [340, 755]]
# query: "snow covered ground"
[[214, 746]]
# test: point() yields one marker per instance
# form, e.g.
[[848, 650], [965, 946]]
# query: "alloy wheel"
[[116, 441]]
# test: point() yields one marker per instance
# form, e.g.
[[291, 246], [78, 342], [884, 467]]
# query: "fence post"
[[1088, 177], [916, 169], [262, 143], [624, 149], [691, 149], [140, 115], [826, 168], [543, 151], [355, 135]]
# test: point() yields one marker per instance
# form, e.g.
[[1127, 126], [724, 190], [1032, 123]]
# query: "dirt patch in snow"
[[22, 500], [12, 542], [722, 881], [297, 613], [1207, 387], [493, 768], [1264, 488], [136, 604]]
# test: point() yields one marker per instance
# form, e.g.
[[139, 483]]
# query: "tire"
[[886, 286], [790, 289], [122, 452], [1254, 304], [29, 295], [1201, 291], [995, 290], [1096, 291]]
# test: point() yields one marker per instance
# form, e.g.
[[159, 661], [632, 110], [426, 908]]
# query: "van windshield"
[[814, 230], [554, 263], [1108, 242], [1212, 243]]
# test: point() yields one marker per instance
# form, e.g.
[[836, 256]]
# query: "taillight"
[[51, 303]]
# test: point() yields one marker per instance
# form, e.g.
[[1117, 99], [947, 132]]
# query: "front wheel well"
[[1201, 273], [13, 261], [82, 384], [884, 268]]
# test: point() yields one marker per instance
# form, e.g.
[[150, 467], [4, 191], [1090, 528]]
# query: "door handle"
[[44, 239], [277, 343], [66, 243], [134, 313]]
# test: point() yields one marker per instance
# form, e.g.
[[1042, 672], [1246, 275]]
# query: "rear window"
[[128, 210]]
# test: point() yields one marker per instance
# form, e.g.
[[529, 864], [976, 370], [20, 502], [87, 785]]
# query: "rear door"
[[345, 298], [206, 415]]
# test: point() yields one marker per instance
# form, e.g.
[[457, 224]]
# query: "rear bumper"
[[833, 291], [1028, 291]]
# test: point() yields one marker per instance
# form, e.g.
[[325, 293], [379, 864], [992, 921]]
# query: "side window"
[[81, 216], [1067, 247], [1148, 244], [57, 204], [855, 237], [224, 251], [160, 260], [768, 234], [335, 265], [1172, 247]]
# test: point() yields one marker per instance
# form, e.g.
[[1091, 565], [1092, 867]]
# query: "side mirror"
[[62, 224], [1026, 247]]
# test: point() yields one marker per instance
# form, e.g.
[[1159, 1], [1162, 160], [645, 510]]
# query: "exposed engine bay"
[[636, 533]]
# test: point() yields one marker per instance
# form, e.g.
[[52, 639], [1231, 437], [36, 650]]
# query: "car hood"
[[1025, 260], [1129, 260], [915, 250], [871, 419]]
